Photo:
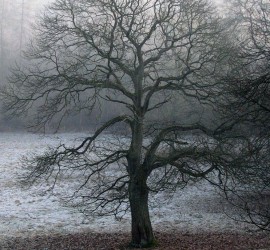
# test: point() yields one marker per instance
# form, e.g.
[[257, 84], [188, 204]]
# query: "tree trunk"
[[142, 233]]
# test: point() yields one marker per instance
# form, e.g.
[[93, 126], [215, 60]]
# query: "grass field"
[[31, 212]]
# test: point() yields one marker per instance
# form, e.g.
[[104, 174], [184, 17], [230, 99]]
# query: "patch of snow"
[[26, 212]]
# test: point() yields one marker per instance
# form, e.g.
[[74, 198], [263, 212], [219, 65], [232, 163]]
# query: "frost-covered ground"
[[26, 212]]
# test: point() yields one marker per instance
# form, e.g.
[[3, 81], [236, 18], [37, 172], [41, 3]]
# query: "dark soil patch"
[[115, 241]]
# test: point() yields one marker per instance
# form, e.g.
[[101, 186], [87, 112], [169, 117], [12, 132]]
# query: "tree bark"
[[142, 232]]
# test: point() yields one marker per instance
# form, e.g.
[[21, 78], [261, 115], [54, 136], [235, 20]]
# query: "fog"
[[17, 18]]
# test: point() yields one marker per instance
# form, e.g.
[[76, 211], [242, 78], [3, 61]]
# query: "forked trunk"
[[142, 233]]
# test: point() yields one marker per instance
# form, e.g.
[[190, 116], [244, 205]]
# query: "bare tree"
[[136, 54], [248, 89], [251, 85]]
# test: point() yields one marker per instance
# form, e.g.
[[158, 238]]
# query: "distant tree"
[[2, 36], [22, 25], [248, 104], [250, 80], [14, 29], [137, 54]]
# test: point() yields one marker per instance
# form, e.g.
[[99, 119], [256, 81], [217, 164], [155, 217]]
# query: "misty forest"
[[141, 116]]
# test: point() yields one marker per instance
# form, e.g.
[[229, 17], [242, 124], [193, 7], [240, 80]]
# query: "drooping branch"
[[161, 137], [88, 141]]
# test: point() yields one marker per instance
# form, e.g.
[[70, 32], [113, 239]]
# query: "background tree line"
[[15, 32]]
